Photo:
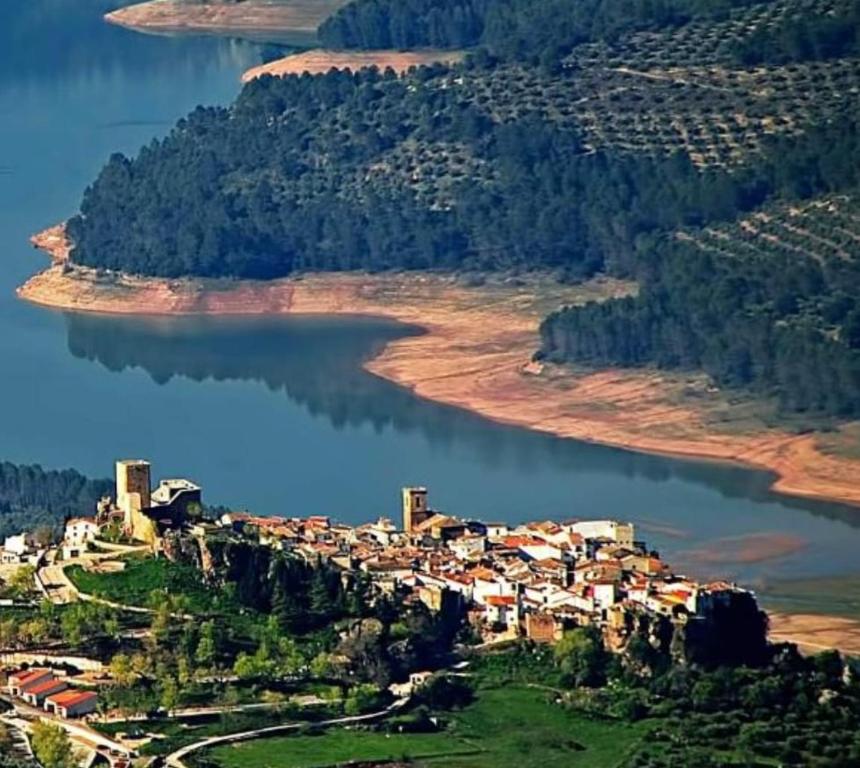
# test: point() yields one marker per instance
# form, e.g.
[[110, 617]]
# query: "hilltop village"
[[530, 580], [158, 614]]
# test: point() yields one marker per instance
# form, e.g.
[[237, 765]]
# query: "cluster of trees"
[[276, 621], [742, 322], [31, 496], [180, 208], [795, 711], [68, 625], [525, 30], [52, 746], [300, 596], [782, 708], [804, 37]]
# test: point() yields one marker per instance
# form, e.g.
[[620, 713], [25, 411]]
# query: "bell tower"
[[415, 510]]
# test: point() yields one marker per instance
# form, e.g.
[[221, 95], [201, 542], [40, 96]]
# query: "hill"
[[579, 146]]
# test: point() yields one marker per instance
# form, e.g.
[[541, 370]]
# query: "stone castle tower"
[[133, 489], [415, 509]]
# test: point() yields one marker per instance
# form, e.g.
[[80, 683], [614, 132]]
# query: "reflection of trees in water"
[[316, 362], [48, 38]]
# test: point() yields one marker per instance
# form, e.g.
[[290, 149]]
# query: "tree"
[[320, 594], [258, 666], [51, 746], [446, 692], [44, 536], [581, 657], [23, 581], [168, 692], [206, 646], [362, 698], [321, 665], [121, 670]]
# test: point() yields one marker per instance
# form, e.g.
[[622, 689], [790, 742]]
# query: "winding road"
[[174, 760]]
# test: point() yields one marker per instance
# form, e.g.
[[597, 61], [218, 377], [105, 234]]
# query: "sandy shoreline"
[[475, 355], [291, 21], [320, 61], [813, 633]]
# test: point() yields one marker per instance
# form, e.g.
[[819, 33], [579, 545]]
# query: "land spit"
[[289, 21], [320, 61], [477, 353]]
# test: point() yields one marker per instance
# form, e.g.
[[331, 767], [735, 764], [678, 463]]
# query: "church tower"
[[415, 510]]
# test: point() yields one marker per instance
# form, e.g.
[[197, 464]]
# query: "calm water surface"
[[278, 416]]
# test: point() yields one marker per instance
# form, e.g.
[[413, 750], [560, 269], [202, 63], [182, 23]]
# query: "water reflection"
[[317, 364], [43, 39]]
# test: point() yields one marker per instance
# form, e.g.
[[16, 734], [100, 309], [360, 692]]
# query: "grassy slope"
[[505, 728], [140, 578]]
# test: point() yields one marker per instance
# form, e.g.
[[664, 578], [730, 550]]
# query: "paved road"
[[175, 759], [55, 585]]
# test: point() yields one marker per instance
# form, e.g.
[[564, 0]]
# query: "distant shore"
[[291, 21], [476, 355]]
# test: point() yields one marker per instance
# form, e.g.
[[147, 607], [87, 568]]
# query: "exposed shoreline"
[[815, 632], [320, 60], [293, 22], [476, 355]]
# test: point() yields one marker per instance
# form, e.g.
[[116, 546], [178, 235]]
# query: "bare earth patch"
[[294, 21], [476, 355], [320, 61], [814, 633]]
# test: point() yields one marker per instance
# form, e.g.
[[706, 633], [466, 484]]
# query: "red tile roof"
[[501, 600], [44, 687], [22, 678], [71, 698]]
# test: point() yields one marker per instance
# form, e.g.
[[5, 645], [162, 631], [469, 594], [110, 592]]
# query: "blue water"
[[278, 416]]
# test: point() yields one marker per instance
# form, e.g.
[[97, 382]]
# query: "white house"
[[80, 531], [18, 550], [621, 533], [502, 609]]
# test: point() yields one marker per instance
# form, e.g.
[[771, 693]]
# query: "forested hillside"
[[31, 497], [525, 30], [579, 136], [771, 302]]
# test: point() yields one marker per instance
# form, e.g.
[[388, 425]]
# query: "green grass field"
[[508, 727], [140, 578]]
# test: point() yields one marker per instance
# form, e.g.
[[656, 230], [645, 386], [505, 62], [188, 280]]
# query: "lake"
[[277, 415]]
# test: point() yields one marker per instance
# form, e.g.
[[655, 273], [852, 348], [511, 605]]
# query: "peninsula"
[[288, 21]]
